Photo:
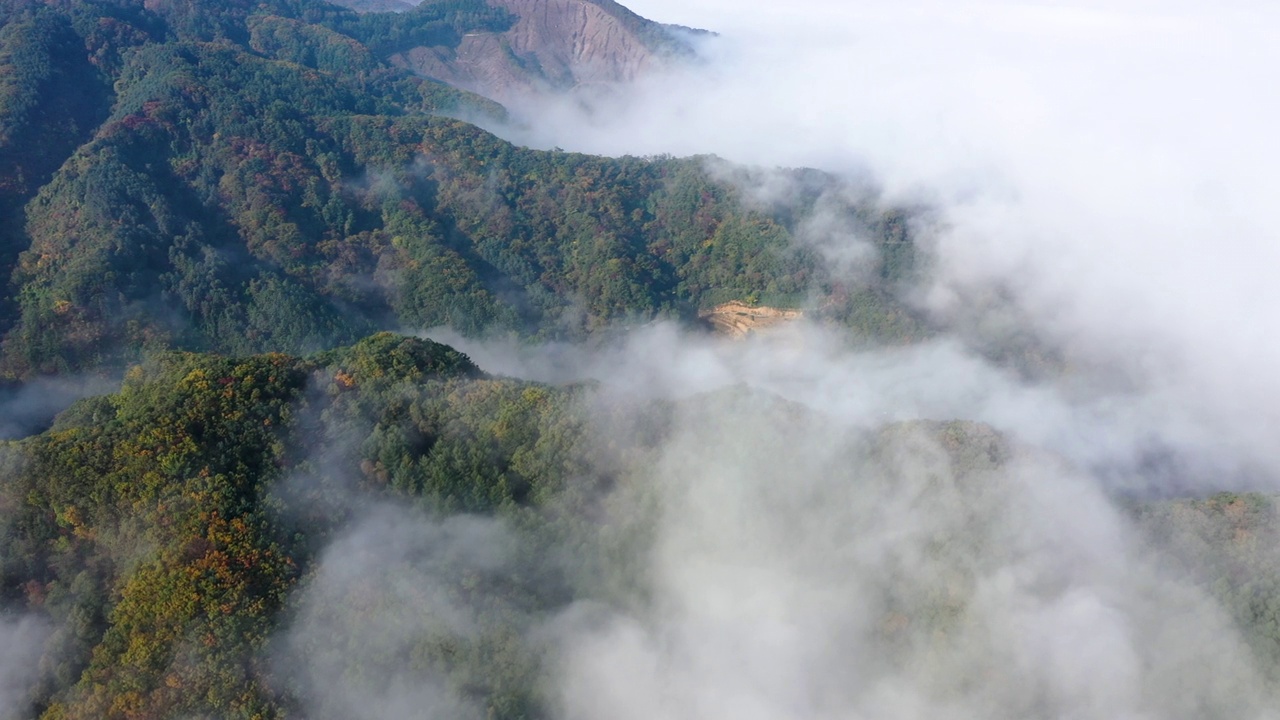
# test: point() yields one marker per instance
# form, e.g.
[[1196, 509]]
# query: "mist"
[[1115, 433], [382, 612], [810, 536], [22, 642], [1100, 177], [30, 408], [802, 570], [759, 556], [1107, 167]]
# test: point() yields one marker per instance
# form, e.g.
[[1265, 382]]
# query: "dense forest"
[[151, 526], [247, 177], [218, 215]]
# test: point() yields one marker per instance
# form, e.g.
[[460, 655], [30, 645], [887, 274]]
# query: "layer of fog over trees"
[[1101, 173], [1100, 176]]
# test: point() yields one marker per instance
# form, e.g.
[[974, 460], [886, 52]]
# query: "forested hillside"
[[250, 177], [157, 530], [174, 545]]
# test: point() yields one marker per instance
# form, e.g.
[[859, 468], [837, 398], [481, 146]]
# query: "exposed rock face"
[[555, 45], [737, 319]]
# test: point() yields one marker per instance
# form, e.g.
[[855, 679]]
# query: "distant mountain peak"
[[553, 46]]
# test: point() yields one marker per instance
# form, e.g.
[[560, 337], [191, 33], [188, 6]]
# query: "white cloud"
[[1112, 164]]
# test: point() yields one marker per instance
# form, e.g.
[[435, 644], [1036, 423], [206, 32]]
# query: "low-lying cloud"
[[1099, 176], [1109, 168], [802, 570], [22, 640], [385, 611]]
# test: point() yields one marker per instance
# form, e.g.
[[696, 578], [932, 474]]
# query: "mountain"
[[551, 46], [269, 507], [253, 177]]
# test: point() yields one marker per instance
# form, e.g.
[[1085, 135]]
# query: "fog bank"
[[1108, 168], [805, 542]]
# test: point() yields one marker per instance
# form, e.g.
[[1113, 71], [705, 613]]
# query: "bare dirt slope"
[[737, 319], [555, 45]]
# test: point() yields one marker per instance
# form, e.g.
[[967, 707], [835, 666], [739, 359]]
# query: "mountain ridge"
[[260, 180]]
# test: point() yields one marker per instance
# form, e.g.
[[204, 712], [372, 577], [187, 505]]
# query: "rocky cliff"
[[554, 45]]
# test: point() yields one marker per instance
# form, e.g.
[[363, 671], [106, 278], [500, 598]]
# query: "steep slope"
[[51, 98], [248, 177], [554, 45], [737, 319], [258, 180]]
